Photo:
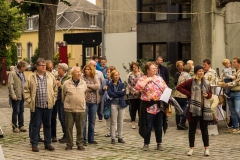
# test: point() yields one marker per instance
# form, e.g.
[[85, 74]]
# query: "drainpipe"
[[103, 28]]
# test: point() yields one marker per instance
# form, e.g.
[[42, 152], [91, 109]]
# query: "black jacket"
[[163, 72]]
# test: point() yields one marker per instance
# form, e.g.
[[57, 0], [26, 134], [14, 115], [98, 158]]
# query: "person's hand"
[[15, 99], [234, 77], [123, 89], [215, 118], [205, 95], [137, 92], [105, 88], [58, 83]]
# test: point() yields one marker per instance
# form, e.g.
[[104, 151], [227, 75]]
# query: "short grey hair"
[[73, 68], [64, 66], [11, 68], [40, 60], [21, 64]]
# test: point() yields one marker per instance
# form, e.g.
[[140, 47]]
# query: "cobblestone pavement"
[[175, 142]]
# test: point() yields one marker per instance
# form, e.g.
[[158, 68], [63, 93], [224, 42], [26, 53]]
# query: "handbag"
[[169, 110], [107, 112], [221, 98]]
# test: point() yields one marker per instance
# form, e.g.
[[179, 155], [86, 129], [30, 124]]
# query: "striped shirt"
[[41, 94]]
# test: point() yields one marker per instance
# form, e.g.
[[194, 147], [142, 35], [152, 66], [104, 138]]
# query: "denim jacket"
[[117, 93]]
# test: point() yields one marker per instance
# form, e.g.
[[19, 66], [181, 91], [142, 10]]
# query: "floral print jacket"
[[153, 90]]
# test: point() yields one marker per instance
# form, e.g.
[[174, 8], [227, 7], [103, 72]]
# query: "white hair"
[[190, 62], [64, 66], [92, 62], [73, 68]]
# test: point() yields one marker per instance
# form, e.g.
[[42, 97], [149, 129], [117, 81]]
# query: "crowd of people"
[[78, 96]]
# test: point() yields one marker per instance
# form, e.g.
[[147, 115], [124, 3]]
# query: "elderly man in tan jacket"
[[73, 97], [40, 91]]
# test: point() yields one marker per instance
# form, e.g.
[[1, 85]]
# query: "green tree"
[[35, 56], [47, 22], [11, 26], [14, 56]]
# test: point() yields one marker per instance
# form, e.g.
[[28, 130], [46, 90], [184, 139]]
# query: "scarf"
[[200, 106]]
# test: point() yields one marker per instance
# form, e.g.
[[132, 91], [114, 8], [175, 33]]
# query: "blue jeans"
[[157, 122], [44, 116], [58, 109], [100, 116], [17, 114], [30, 127], [234, 106], [91, 109]]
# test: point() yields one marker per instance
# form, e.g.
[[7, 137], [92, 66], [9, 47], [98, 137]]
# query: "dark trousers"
[[30, 127], [58, 109], [204, 130], [182, 103], [99, 110], [44, 116], [17, 114], [135, 107], [76, 118], [157, 122]]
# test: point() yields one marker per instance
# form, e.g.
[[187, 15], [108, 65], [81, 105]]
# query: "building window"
[[19, 50], [152, 51], [89, 52], [184, 10], [153, 6], [93, 20], [185, 51], [57, 46], [30, 23]]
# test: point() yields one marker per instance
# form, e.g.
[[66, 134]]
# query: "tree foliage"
[[14, 57], [11, 26], [47, 11]]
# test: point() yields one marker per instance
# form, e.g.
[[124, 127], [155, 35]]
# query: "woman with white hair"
[[58, 107]]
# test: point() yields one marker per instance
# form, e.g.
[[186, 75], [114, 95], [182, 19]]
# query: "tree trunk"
[[46, 34]]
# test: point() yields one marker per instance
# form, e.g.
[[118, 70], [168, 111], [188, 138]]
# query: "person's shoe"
[[206, 152], [50, 148], [40, 140], [108, 135], [190, 152], [179, 128], [145, 147], [85, 144], [113, 141], [35, 149], [93, 142], [63, 140], [68, 148], [81, 148], [183, 126], [120, 140], [22, 129], [54, 139], [133, 125], [159, 147], [99, 120], [234, 131], [16, 130]]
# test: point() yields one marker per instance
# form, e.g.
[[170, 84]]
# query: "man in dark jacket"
[[162, 70]]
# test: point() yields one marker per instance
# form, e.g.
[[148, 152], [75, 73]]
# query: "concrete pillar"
[[201, 37]]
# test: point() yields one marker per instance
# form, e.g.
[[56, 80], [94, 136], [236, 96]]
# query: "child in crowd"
[[227, 74], [96, 59]]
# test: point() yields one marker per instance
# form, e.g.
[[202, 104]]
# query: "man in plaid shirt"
[[40, 91]]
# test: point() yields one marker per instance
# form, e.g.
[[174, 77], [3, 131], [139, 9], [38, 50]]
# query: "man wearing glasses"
[[40, 91]]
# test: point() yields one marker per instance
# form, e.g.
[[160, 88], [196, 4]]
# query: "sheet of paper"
[[166, 95]]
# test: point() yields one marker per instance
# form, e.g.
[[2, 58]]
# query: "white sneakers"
[[206, 152], [190, 152]]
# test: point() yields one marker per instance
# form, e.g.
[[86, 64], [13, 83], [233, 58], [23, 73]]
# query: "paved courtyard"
[[175, 142]]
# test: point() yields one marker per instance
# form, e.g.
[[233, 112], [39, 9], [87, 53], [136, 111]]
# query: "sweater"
[[185, 88]]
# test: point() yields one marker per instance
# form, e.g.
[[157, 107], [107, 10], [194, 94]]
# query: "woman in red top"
[[198, 92]]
